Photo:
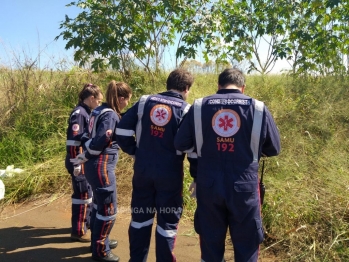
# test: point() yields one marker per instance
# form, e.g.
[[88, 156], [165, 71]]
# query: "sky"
[[28, 30], [29, 26]]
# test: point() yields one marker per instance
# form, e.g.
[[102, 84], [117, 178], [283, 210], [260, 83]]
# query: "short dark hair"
[[179, 79], [231, 76]]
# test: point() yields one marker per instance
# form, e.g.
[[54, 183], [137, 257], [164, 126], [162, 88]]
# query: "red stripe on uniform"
[[72, 152], [100, 161], [84, 197], [105, 170], [101, 243], [80, 221]]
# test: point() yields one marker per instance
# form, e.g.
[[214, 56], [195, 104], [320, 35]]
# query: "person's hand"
[[192, 190], [80, 159], [77, 170]]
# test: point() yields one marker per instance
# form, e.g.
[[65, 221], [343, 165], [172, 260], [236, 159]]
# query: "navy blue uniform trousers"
[[157, 188], [100, 173], [81, 208], [225, 201]]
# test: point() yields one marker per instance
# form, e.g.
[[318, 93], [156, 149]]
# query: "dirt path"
[[40, 231]]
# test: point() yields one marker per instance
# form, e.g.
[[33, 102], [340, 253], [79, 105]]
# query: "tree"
[[107, 30], [311, 35], [318, 36], [244, 25], [192, 66]]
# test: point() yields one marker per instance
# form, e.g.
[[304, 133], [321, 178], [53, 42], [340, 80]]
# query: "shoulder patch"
[[75, 127]]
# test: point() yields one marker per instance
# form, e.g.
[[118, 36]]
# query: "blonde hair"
[[115, 90]]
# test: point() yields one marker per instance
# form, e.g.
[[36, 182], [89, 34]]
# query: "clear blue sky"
[[29, 25]]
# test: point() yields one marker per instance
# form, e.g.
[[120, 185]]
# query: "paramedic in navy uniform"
[[89, 98], [102, 153], [229, 131], [158, 168]]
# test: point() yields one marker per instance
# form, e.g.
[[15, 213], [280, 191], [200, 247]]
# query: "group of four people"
[[223, 136]]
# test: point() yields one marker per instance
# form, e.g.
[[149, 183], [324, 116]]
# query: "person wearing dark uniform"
[[230, 132], [146, 132], [100, 158], [89, 98]]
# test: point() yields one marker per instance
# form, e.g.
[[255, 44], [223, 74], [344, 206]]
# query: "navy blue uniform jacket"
[[77, 124], [103, 139], [232, 153], [162, 115]]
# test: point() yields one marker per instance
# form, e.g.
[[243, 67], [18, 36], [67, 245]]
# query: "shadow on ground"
[[40, 244]]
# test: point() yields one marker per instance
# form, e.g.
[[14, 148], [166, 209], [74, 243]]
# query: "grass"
[[306, 209]]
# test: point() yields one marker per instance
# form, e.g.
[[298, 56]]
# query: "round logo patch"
[[75, 127], [160, 115], [108, 133], [226, 122], [90, 124]]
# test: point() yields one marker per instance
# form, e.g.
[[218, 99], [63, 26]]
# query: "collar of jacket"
[[88, 110], [172, 93], [228, 91]]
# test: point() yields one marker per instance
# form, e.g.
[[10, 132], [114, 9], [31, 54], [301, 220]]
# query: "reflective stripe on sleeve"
[[256, 128], [124, 132], [192, 155], [166, 233], [185, 111], [198, 125], [73, 143], [189, 150], [139, 225], [92, 152], [105, 218], [140, 114], [75, 201]]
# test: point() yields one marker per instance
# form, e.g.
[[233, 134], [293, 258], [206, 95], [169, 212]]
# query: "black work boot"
[[112, 244], [110, 257]]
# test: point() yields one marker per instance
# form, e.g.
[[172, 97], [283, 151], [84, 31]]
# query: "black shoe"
[[112, 244], [109, 257]]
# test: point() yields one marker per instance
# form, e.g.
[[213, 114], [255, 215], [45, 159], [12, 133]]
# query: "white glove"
[[192, 189], [80, 159], [77, 170]]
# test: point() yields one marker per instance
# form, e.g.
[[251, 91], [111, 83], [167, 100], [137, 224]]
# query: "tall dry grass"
[[306, 205]]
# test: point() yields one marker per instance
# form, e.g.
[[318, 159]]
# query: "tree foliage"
[[113, 31], [310, 34]]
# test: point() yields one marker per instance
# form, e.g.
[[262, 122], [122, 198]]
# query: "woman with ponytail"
[[89, 98], [100, 158]]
